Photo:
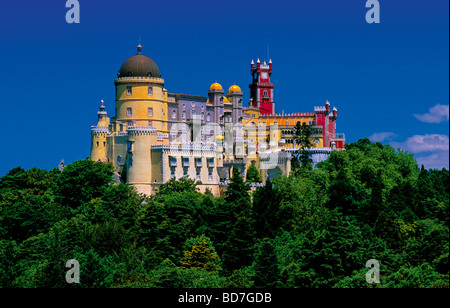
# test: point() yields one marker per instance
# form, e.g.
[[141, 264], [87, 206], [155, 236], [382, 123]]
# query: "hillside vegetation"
[[315, 228]]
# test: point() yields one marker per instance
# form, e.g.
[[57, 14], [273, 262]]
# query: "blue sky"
[[389, 81]]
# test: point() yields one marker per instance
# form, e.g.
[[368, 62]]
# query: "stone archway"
[[272, 173]]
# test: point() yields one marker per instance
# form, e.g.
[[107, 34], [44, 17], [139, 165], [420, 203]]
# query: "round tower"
[[217, 99], [235, 96], [139, 159], [99, 136], [140, 93]]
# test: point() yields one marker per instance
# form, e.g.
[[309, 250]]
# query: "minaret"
[[235, 95], [216, 97]]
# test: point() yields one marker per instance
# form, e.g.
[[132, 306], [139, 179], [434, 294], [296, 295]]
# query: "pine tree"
[[267, 273], [266, 208], [238, 248], [200, 257], [253, 175], [302, 157]]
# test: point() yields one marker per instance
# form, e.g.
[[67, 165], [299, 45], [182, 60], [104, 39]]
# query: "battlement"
[[99, 130], [138, 80], [142, 130], [320, 109], [186, 147]]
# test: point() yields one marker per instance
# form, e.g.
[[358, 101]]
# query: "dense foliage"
[[315, 228]]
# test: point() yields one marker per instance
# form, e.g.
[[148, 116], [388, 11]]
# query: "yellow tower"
[[140, 95], [139, 159], [99, 134]]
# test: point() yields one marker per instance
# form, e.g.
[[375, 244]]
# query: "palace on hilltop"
[[157, 135]]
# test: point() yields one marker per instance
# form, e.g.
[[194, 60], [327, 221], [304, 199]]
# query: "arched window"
[[183, 115], [286, 123], [119, 159], [208, 117], [174, 114], [130, 162]]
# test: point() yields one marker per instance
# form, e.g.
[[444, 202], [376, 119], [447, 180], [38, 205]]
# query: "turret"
[[327, 106], [235, 96], [140, 98], [216, 98], [99, 134], [139, 158]]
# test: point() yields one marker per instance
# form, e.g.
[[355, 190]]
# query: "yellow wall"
[[140, 101]]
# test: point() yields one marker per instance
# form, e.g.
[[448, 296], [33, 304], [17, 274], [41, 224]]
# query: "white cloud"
[[436, 160], [437, 114], [380, 137], [424, 143], [433, 150]]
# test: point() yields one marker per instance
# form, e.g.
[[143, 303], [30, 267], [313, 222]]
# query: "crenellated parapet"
[[186, 148], [99, 130], [142, 130], [138, 80]]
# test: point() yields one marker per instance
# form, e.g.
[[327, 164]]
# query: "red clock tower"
[[261, 90]]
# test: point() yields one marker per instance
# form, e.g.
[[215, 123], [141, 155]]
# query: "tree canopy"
[[315, 228]]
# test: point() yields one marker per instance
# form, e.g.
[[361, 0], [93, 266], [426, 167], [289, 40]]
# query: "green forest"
[[316, 228]]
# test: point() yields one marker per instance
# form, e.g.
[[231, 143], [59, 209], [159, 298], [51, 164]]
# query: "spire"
[[253, 62], [139, 49], [258, 61], [102, 109], [270, 61]]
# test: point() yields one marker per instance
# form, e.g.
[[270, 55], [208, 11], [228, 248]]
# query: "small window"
[[174, 114], [150, 124], [150, 112], [286, 123], [129, 112], [183, 115], [104, 144], [97, 144], [119, 159], [192, 114], [129, 90], [130, 146], [203, 116], [150, 90], [210, 174], [130, 162], [208, 117], [198, 175]]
